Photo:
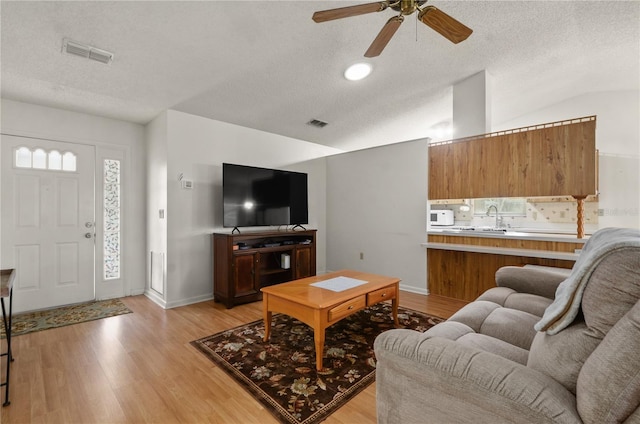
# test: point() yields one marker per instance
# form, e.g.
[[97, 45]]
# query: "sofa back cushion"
[[561, 356], [612, 290], [608, 389]]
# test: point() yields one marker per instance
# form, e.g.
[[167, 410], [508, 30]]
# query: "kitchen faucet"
[[497, 214]]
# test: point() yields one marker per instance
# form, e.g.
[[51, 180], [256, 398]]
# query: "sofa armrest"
[[533, 280], [439, 380]]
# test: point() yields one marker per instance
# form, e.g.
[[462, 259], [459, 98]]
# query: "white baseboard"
[[136, 292], [155, 297], [412, 289], [190, 301], [403, 287]]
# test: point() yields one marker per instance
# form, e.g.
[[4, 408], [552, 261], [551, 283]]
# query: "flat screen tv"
[[261, 197]]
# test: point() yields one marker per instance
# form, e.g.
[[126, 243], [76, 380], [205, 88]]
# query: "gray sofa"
[[545, 346]]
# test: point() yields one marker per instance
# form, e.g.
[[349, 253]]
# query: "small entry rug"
[[66, 315], [281, 373]]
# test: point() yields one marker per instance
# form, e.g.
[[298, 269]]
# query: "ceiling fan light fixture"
[[357, 71]]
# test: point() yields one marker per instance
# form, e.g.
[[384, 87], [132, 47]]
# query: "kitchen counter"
[[531, 253], [506, 242], [462, 263], [518, 234]]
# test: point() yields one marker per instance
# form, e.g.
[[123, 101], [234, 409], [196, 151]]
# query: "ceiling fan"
[[439, 21]]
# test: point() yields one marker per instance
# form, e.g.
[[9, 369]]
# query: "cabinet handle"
[[383, 294], [350, 307]]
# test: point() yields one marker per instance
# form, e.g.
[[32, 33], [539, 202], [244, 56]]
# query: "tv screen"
[[260, 196]]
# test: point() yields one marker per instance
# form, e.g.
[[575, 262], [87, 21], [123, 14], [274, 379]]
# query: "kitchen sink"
[[491, 230], [476, 229], [481, 230], [509, 232]]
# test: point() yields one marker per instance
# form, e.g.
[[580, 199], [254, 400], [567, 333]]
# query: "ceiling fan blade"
[[444, 24], [346, 12], [384, 36]]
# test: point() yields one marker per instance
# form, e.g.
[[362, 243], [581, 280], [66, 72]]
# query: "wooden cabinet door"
[[244, 274], [303, 262]]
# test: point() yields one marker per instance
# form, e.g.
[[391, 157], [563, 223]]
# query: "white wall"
[[156, 196], [376, 205], [472, 105], [60, 125], [618, 142], [196, 148]]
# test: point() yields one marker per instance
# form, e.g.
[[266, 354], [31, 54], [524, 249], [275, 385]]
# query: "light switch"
[[161, 213]]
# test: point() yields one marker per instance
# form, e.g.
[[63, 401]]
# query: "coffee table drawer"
[[347, 308], [381, 295]]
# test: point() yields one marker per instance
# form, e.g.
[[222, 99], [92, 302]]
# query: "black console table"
[[6, 290]]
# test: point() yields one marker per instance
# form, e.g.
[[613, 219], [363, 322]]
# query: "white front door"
[[48, 221]]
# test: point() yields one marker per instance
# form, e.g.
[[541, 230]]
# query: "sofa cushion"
[[441, 381], [474, 314], [449, 330], [526, 302], [604, 245], [510, 325], [495, 346], [465, 335], [541, 281], [509, 298], [561, 356], [613, 289], [608, 389], [497, 295]]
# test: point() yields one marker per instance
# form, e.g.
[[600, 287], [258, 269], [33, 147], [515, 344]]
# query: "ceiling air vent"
[[317, 123], [89, 52]]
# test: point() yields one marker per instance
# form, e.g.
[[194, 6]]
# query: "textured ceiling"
[[267, 65]]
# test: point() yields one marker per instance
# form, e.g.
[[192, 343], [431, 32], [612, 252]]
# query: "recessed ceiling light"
[[357, 72]]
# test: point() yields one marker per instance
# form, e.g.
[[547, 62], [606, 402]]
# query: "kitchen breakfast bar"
[[462, 263]]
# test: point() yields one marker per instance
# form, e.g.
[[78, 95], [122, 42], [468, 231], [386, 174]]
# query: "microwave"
[[441, 217]]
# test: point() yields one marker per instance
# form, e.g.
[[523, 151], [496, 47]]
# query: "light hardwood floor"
[[140, 368]]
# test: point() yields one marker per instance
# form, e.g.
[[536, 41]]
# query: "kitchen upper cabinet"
[[555, 159]]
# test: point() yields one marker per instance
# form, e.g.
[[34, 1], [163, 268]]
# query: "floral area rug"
[[66, 315], [281, 373]]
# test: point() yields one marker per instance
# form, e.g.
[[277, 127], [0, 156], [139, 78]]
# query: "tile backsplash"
[[540, 214]]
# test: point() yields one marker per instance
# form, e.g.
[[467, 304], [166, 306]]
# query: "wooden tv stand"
[[244, 263]]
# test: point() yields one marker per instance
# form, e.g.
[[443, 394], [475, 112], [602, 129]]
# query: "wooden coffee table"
[[320, 307]]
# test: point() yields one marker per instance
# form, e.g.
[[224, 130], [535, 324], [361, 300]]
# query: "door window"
[[111, 237], [40, 159]]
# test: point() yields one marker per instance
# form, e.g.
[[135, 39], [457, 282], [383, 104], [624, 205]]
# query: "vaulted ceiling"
[[267, 65]]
